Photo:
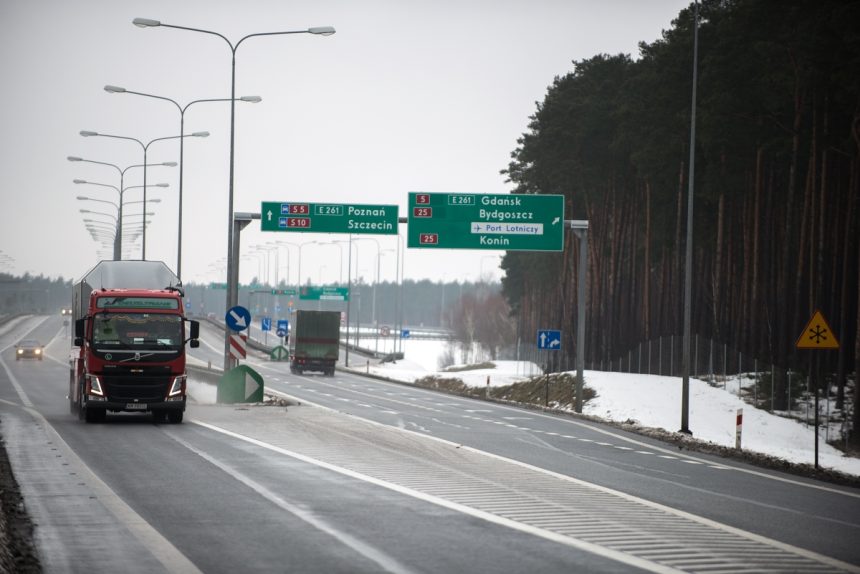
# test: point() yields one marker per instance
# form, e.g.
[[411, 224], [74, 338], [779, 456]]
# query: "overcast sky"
[[410, 95]]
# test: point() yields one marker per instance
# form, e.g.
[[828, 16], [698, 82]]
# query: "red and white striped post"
[[739, 425], [238, 345]]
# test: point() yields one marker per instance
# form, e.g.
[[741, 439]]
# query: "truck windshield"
[[138, 331]]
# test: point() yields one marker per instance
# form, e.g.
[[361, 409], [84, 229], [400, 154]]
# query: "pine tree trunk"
[[646, 279]]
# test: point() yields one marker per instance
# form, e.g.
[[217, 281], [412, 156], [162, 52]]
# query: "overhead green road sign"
[[324, 293], [511, 222], [328, 218]]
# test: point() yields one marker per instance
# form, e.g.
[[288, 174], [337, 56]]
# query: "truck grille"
[[136, 388]]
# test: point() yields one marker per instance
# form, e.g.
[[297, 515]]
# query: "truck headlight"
[[178, 386], [95, 386]]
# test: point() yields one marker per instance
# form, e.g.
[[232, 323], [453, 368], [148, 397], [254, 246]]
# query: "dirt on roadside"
[[17, 546]]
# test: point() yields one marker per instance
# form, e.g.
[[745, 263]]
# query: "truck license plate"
[[136, 406]]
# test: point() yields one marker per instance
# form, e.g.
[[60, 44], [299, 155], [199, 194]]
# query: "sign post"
[[817, 335]]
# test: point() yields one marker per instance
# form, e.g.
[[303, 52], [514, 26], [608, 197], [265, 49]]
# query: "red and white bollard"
[[739, 425]]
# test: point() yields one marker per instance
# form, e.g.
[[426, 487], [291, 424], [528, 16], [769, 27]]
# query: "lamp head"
[[114, 89], [79, 181], [322, 30], [82, 197], [74, 158], [145, 23], [200, 135], [252, 99], [162, 185], [87, 134], [169, 163]]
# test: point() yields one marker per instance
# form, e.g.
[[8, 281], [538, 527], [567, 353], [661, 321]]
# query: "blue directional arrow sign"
[[238, 318], [266, 324], [549, 340]]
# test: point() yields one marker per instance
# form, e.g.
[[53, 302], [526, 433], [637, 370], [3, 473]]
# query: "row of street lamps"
[[232, 266]]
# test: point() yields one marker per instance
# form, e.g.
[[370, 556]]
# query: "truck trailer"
[[130, 331], [315, 342]]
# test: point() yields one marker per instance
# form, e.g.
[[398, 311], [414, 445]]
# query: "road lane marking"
[[492, 518], [643, 444], [388, 563], [158, 546]]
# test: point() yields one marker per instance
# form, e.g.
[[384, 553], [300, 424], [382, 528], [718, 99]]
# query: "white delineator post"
[[739, 425]]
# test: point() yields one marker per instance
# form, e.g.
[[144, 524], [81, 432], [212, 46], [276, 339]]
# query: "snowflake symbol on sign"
[[818, 334]]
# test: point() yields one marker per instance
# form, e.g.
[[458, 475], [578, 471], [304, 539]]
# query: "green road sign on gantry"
[[511, 222], [328, 218], [310, 293]]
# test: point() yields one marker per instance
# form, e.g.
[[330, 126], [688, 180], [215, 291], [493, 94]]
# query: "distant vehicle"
[[315, 342], [66, 311], [28, 349]]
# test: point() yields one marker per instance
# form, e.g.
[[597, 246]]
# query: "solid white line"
[[546, 534], [374, 555], [157, 545], [25, 400], [667, 451], [649, 446], [656, 505]]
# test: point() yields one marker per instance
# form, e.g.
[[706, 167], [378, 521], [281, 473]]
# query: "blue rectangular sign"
[[549, 339], [267, 324]]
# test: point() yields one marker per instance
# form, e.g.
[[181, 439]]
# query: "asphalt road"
[[389, 478]]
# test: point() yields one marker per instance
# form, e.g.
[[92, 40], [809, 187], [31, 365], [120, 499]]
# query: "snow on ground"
[[650, 400]]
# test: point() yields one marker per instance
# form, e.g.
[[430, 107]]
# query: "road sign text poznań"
[[490, 221], [328, 218]]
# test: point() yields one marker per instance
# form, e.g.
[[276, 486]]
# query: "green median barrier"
[[280, 353], [240, 385]]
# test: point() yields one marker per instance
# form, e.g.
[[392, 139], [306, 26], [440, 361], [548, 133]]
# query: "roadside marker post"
[[739, 425]]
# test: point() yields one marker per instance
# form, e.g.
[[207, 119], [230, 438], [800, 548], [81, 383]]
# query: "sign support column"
[[580, 229], [240, 220]]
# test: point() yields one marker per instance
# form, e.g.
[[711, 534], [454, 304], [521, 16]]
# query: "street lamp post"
[[378, 249], [688, 259], [232, 267], [145, 147], [118, 247], [118, 90]]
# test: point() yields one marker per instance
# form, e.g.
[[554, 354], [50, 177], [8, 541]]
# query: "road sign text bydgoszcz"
[[328, 218], [511, 222]]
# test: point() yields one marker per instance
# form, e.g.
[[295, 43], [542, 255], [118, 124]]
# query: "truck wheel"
[[175, 417]]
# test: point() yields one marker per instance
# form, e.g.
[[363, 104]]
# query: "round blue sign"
[[238, 318]]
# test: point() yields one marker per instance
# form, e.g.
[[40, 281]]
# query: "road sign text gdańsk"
[[328, 218], [511, 222]]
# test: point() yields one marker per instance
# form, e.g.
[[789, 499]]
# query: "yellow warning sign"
[[817, 334]]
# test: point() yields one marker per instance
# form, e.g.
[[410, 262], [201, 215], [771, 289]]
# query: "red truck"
[[130, 333]]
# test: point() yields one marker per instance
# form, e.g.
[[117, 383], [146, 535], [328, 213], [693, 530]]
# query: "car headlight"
[[38, 351], [178, 386], [20, 351]]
